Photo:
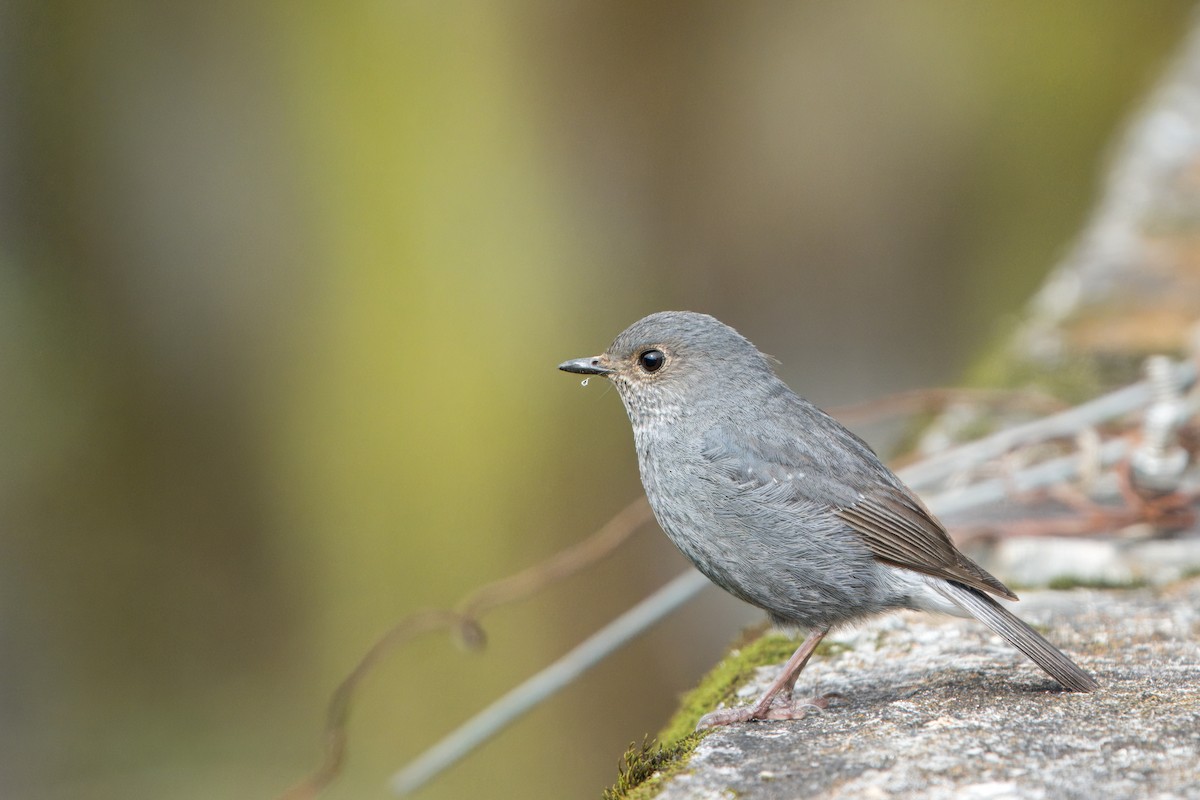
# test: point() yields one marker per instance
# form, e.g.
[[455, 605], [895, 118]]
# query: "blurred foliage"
[[282, 287]]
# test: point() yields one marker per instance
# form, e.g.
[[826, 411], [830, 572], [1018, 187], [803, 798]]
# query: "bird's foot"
[[779, 708]]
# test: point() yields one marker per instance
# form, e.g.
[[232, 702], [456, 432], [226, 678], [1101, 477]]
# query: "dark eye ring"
[[652, 360]]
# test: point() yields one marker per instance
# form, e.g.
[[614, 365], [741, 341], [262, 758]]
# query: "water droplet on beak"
[[584, 381]]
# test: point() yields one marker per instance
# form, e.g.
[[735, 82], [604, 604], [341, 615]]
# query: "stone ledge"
[[939, 708]]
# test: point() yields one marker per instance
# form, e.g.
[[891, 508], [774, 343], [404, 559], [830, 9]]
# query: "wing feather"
[[900, 531]]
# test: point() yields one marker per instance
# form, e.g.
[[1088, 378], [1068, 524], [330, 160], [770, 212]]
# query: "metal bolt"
[[1159, 462]]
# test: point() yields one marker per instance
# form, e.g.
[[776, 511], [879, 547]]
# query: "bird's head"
[[675, 361]]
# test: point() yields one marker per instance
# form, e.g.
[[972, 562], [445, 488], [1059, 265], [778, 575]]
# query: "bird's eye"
[[652, 360]]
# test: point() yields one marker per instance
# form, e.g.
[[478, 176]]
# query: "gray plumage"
[[778, 503]]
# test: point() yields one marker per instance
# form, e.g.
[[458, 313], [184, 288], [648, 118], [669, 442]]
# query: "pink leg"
[[767, 706]]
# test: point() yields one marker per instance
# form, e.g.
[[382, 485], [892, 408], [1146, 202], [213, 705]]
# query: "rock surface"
[[939, 708]]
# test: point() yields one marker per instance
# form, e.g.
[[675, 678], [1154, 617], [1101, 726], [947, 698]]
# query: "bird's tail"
[[1004, 623]]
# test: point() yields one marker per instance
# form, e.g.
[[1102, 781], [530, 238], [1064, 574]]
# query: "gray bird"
[[781, 506]]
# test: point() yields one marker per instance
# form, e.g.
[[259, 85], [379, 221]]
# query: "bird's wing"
[[841, 473], [899, 531]]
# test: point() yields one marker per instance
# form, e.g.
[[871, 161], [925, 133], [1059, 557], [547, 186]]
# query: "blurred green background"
[[283, 286]]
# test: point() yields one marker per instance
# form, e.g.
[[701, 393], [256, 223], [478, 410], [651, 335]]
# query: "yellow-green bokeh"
[[283, 286]]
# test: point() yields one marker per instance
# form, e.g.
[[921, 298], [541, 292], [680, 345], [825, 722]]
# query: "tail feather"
[[1005, 624]]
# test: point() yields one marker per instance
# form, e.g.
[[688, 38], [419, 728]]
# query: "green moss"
[[721, 683], [753, 649], [646, 767]]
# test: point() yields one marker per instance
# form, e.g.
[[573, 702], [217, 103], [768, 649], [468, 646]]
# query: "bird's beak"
[[586, 366]]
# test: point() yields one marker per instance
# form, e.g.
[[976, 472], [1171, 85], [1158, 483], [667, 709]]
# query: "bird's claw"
[[780, 709]]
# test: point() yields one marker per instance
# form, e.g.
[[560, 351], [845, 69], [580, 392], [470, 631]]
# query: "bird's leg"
[[786, 682], [766, 707]]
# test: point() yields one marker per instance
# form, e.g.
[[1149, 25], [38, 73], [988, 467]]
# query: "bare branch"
[[550, 680], [465, 621]]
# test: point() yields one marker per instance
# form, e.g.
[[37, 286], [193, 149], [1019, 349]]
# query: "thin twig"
[[550, 680], [1057, 470], [561, 565], [465, 621], [938, 467], [339, 706]]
